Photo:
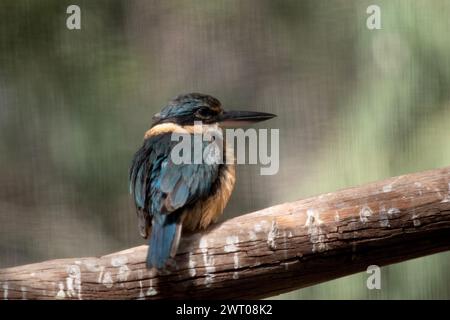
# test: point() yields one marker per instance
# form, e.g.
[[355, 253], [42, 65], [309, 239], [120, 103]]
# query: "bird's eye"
[[204, 113]]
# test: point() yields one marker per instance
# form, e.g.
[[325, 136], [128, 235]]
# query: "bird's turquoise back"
[[163, 191]]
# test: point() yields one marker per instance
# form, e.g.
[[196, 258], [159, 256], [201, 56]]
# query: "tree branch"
[[264, 253]]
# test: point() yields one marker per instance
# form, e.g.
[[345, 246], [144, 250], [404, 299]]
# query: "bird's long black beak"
[[239, 118]]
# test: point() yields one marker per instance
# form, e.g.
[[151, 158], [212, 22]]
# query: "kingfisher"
[[171, 196]]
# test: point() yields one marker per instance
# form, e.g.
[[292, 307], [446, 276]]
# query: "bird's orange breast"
[[207, 211]]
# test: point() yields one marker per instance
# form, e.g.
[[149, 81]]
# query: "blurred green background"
[[354, 105]]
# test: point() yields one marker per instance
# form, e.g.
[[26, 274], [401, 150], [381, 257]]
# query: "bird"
[[170, 197]]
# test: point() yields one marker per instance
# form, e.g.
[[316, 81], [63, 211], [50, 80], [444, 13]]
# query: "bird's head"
[[185, 109]]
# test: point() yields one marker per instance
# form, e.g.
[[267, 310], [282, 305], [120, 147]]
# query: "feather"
[[163, 190], [164, 240]]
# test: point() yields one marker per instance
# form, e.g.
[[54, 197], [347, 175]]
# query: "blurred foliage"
[[353, 105]]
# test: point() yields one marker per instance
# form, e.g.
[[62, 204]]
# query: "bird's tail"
[[164, 239]]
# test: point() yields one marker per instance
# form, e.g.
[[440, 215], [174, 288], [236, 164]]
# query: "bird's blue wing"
[[161, 186]]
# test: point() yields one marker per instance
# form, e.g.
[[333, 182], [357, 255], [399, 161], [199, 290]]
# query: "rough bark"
[[264, 253]]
